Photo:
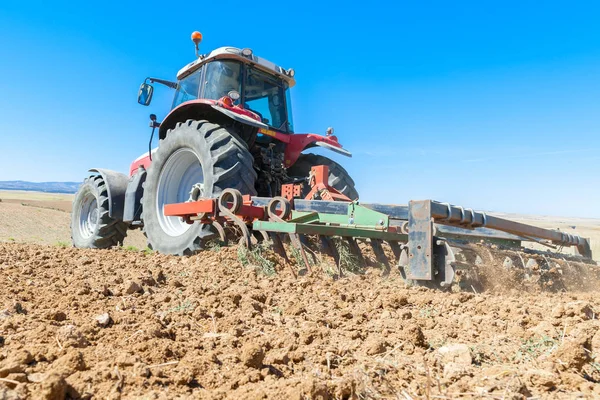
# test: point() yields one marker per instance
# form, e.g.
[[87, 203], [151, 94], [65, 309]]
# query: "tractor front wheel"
[[339, 178], [91, 225], [197, 159]]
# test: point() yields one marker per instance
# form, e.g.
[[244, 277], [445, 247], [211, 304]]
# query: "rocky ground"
[[118, 323]]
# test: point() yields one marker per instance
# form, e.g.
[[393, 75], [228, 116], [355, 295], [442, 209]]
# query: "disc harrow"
[[432, 243]]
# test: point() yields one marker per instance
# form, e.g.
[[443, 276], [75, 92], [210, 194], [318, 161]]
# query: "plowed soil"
[[117, 323], [43, 218]]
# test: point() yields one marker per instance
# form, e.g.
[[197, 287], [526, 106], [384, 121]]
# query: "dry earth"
[[230, 324], [106, 324], [32, 217]]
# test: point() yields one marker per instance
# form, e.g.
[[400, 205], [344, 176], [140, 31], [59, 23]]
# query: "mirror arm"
[[153, 124], [172, 85]]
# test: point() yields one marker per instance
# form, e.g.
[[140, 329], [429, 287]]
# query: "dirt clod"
[[8, 394], [456, 353], [18, 308], [57, 316], [103, 320], [253, 355], [70, 336], [52, 387], [375, 346], [414, 334], [132, 287], [175, 283], [395, 301]]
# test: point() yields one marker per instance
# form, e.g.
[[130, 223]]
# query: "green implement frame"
[[424, 236], [359, 222]]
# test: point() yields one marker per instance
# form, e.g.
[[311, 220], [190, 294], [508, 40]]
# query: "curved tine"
[[246, 236], [266, 237], [221, 231], [404, 228], [284, 205], [307, 245], [330, 249], [236, 199], [246, 240], [278, 245], [395, 248], [380, 254], [355, 250], [297, 243]]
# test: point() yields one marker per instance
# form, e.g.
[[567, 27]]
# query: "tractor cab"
[[265, 94], [253, 83]]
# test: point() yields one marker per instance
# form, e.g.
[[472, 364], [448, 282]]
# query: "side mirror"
[[145, 94]]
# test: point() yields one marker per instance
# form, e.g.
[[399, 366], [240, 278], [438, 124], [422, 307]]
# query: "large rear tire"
[[199, 157], [339, 178], [91, 226]]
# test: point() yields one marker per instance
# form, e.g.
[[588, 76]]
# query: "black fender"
[[203, 109], [116, 185], [133, 196]]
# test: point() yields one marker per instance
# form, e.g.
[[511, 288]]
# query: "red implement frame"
[[206, 209], [319, 182], [291, 191]]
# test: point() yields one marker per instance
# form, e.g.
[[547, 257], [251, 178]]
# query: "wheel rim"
[[88, 216], [178, 176]]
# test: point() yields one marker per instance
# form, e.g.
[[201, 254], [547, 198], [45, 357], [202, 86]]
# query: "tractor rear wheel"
[[91, 225], [196, 159], [339, 178]]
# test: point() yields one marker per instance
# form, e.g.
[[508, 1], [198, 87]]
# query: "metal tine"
[[221, 232], [355, 250], [395, 248], [329, 247], [278, 245], [306, 244], [303, 239], [265, 235], [380, 254], [297, 243], [279, 249]]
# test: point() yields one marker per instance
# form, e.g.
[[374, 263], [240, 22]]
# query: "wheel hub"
[[88, 216], [196, 192], [180, 178]]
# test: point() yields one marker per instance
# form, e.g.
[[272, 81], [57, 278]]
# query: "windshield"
[[221, 78], [188, 88], [266, 96]]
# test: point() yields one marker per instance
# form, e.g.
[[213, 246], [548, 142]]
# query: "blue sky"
[[487, 105]]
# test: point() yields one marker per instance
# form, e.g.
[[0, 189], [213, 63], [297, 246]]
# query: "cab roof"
[[233, 53]]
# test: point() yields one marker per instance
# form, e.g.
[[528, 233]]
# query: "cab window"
[[221, 78], [188, 88], [265, 96]]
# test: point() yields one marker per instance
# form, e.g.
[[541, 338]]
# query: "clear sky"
[[490, 105]]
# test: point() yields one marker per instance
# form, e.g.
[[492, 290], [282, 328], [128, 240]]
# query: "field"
[[43, 218], [227, 323]]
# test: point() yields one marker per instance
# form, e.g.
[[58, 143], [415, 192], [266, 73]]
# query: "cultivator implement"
[[431, 242]]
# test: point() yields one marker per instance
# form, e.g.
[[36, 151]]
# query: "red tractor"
[[230, 126]]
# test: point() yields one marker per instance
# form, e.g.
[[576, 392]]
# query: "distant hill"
[[48, 187]]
